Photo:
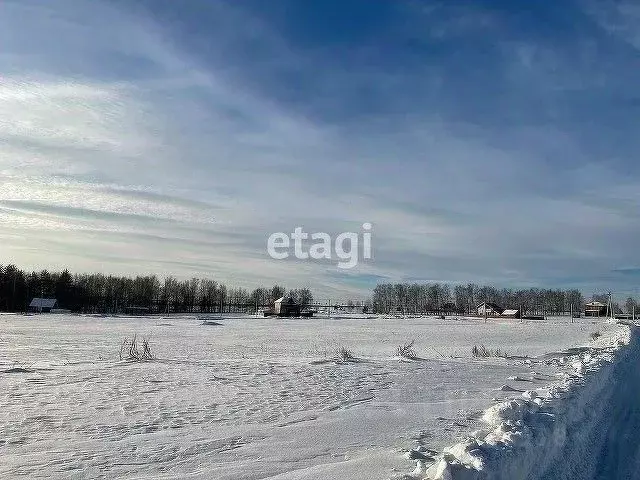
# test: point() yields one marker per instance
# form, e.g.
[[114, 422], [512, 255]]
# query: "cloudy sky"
[[484, 141]]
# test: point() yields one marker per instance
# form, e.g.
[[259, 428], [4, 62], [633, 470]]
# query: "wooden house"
[[488, 309]]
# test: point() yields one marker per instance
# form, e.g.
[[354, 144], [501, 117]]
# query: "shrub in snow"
[[407, 351], [479, 351], [129, 350], [344, 355]]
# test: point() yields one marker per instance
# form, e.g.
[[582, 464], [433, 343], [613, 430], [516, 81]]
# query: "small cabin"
[[596, 309], [43, 305], [284, 308]]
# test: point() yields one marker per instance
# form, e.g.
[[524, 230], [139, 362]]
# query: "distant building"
[[284, 308], [43, 305], [596, 309], [489, 309], [511, 313]]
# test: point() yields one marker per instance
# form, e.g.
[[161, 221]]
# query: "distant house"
[[596, 309], [284, 308], [43, 305], [511, 313], [489, 309], [287, 307]]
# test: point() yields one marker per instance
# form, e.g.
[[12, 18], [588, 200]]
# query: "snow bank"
[[583, 426]]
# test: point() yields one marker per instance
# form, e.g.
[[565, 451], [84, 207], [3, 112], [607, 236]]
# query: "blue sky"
[[486, 141]]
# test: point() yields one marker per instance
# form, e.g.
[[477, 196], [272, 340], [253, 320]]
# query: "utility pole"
[[571, 311]]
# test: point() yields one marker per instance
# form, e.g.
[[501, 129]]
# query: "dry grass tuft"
[[480, 351], [131, 351], [344, 355], [407, 351]]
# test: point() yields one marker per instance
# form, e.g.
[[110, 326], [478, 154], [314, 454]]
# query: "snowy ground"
[[254, 398]]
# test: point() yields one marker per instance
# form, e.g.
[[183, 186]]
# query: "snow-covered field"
[[258, 398]]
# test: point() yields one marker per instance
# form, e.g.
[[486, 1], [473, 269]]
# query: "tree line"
[[439, 297], [99, 293]]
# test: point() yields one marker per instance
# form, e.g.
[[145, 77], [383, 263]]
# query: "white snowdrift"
[[584, 426]]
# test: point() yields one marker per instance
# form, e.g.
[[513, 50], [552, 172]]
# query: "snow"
[[582, 427], [257, 398]]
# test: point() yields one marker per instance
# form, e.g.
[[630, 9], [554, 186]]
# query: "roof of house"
[[43, 303], [511, 312], [287, 301]]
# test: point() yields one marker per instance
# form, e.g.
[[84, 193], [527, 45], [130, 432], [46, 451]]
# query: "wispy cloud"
[[619, 18]]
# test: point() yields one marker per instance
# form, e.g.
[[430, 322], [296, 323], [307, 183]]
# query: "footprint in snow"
[[507, 388]]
